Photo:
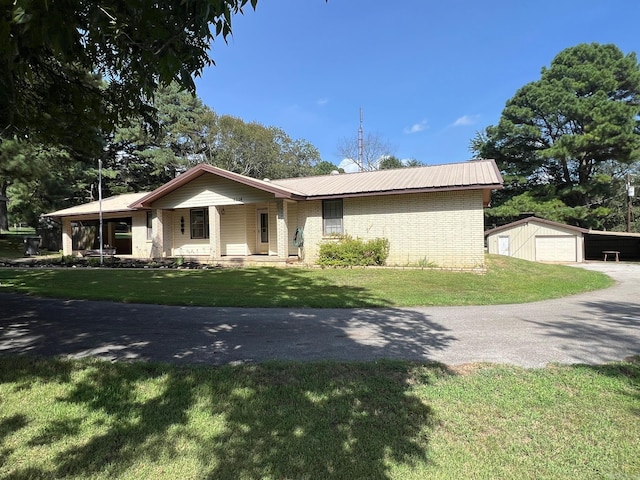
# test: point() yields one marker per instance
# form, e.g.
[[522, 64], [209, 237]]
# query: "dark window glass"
[[149, 226], [332, 217], [199, 223]]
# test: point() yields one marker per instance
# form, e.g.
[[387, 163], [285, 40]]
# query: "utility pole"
[[630, 193]]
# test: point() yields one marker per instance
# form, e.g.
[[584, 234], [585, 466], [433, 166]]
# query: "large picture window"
[[332, 217], [199, 223]]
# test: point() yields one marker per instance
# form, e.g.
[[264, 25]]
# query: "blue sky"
[[427, 74]]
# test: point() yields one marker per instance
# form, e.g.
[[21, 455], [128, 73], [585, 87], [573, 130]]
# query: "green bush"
[[347, 251]]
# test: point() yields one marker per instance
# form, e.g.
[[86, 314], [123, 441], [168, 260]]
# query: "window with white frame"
[[199, 223], [332, 217]]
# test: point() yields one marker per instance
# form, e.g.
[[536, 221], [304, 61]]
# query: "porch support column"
[[214, 232], [110, 238], [282, 229], [157, 236], [67, 237]]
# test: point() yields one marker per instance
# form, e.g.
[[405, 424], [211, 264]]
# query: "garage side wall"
[[520, 242]]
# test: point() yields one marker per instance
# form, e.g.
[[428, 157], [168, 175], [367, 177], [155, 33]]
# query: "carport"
[[626, 244]]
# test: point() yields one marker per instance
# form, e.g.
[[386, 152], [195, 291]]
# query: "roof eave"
[[524, 221], [67, 213], [405, 191]]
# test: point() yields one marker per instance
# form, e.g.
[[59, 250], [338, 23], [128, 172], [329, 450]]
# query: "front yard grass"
[[378, 420], [11, 246], [507, 280]]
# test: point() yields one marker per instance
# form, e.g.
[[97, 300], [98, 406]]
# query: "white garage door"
[[560, 248]]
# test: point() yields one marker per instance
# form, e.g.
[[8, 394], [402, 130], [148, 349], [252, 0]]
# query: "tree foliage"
[[568, 135], [189, 133], [390, 162], [70, 71], [136, 45], [140, 159], [41, 178], [36, 178], [325, 168]]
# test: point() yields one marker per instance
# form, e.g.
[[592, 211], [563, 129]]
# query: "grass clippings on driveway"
[[507, 280], [382, 420]]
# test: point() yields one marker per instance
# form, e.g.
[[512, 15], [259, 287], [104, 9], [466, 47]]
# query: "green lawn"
[[12, 242], [11, 246], [507, 280], [378, 420]]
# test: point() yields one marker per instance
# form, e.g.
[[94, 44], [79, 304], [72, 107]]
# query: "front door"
[[503, 246], [263, 231]]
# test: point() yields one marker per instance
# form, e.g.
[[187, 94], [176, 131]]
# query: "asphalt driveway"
[[592, 328]]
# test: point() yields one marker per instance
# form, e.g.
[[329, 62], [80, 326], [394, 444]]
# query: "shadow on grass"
[[246, 287], [8, 426], [276, 420], [628, 372], [302, 420]]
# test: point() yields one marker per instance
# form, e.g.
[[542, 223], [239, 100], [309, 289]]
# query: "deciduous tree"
[[189, 133], [325, 168], [374, 148], [136, 45]]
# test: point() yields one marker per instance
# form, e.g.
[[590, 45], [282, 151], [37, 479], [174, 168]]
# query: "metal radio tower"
[[361, 144]]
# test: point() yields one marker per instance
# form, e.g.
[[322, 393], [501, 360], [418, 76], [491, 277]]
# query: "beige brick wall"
[[443, 229]]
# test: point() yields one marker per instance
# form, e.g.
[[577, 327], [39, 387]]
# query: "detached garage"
[[538, 240]]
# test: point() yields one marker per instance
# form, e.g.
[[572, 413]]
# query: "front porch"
[[230, 234]]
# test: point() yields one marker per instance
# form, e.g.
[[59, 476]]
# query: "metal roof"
[[475, 174], [117, 203], [452, 176], [533, 219], [550, 223], [614, 234]]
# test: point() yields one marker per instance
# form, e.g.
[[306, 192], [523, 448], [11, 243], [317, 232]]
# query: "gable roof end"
[[532, 219], [203, 168]]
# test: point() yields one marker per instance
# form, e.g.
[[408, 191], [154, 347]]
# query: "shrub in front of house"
[[346, 251]]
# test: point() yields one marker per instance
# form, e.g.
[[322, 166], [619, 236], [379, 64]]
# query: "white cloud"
[[417, 127], [465, 120], [322, 101], [349, 165]]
